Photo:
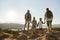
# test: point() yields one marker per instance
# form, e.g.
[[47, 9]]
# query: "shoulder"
[[50, 11]]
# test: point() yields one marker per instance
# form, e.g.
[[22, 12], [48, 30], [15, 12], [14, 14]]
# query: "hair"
[[33, 17], [40, 18], [47, 8], [28, 10]]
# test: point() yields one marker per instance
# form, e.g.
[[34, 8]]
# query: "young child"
[[40, 24], [34, 24]]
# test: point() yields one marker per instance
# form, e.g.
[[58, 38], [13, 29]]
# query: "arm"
[[25, 17], [42, 22], [45, 18], [32, 21], [30, 16], [37, 24]]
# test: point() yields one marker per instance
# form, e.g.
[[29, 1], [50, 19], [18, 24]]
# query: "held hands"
[[44, 22], [37, 25]]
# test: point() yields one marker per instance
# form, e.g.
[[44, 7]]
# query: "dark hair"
[[28, 10], [33, 17], [48, 13], [47, 8], [40, 18]]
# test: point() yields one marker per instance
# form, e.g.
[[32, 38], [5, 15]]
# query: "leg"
[[48, 29], [34, 30], [25, 25], [49, 26], [28, 26], [41, 31]]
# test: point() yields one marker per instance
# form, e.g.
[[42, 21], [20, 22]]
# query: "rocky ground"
[[24, 35]]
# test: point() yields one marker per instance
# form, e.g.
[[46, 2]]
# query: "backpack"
[[28, 16], [49, 14]]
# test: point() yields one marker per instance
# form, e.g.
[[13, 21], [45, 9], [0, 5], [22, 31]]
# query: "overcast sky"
[[14, 10]]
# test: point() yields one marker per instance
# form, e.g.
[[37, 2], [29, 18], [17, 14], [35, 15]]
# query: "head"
[[40, 19], [33, 18], [47, 9], [28, 11]]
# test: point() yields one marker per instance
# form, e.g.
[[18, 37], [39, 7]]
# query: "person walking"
[[48, 17]]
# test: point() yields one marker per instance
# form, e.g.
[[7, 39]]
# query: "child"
[[34, 24], [40, 24]]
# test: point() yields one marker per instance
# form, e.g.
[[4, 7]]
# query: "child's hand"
[[44, 22], [37, 25]]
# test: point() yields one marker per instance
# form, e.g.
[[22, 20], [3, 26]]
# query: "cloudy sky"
[[13, 11]]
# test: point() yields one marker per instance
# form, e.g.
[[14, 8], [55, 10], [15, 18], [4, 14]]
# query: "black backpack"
[[28, 16], [49, 14]]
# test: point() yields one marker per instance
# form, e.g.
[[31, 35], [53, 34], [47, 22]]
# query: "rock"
[[22, 37], [34, 36], [4, 36], [49, 37], [39, 38]]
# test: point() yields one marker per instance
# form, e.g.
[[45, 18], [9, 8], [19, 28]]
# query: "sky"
[[13, 11]]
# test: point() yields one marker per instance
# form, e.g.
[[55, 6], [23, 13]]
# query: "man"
[[48, 18], [27, 19]]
